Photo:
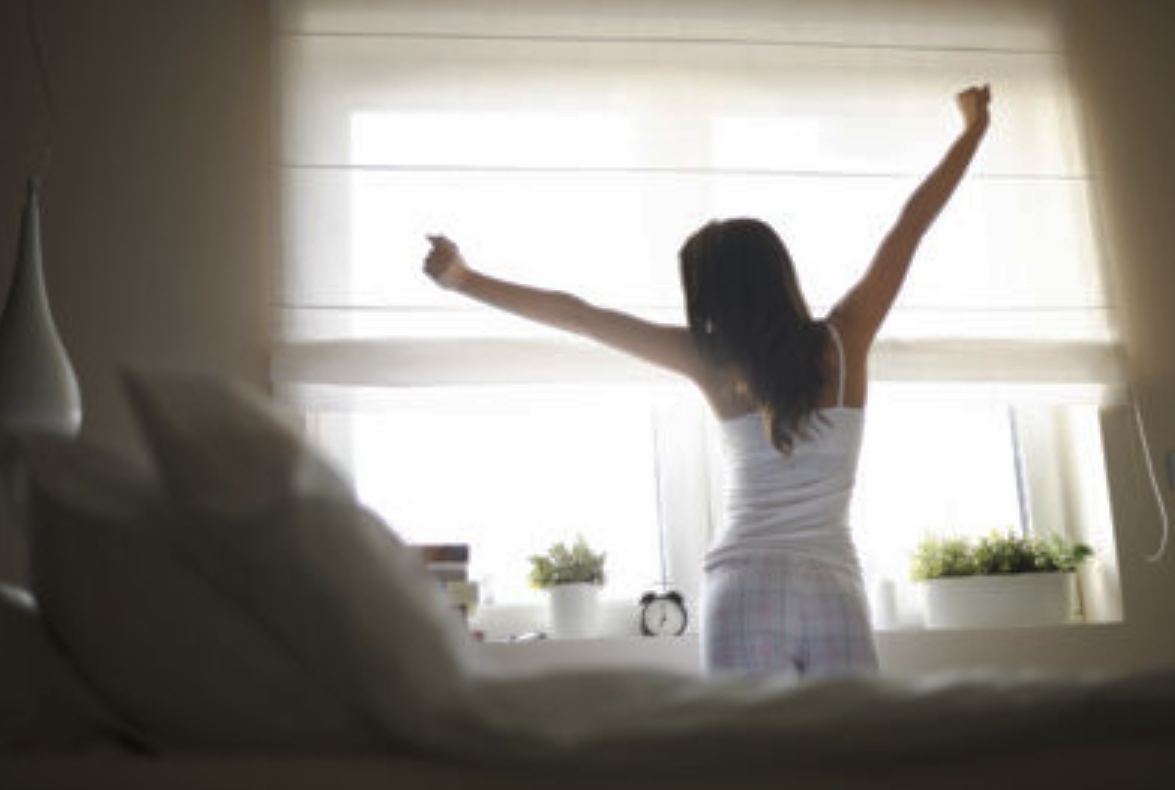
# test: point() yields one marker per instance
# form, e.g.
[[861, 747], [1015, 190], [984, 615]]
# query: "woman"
[[783, 585]]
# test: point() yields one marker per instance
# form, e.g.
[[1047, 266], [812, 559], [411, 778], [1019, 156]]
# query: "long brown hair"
[[745, 308]]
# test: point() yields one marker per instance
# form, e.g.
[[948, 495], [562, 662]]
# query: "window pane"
[[931, 465], [510, 471]]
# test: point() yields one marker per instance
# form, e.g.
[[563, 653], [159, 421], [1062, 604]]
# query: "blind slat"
[[357, 238], [471, 361], [502, 103], [1015, 25]]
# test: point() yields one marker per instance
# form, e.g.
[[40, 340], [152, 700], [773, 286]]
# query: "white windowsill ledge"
[[1072, 647]]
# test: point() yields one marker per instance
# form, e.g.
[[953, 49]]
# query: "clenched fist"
[[973, 104], [444, 263]]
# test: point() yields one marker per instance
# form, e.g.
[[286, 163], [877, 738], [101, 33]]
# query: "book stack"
[[448, 563]]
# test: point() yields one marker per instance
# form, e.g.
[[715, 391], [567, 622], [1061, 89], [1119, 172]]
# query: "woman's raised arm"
[[863, 309], [666, 346]]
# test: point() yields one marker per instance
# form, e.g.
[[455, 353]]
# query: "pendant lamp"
[[38, 388]]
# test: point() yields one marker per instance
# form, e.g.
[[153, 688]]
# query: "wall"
[[156, 210], [157, 235], [1123, 66]]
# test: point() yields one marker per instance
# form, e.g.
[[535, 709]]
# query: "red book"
[[443, 552]]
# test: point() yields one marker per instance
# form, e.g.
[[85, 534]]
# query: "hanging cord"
[[46, 91], [661, 528], [1154, 480]]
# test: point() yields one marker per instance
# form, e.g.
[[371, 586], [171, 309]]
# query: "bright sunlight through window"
[[510, 471]]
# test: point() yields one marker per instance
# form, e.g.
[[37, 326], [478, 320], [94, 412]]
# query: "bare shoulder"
[[685, 350], [678, 341], [720, 387], [857, 335], [857, 341]]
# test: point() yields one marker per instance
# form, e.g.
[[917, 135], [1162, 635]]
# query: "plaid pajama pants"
[[783, 614]]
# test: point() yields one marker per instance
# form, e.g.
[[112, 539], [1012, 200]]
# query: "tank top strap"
[[840, 363]]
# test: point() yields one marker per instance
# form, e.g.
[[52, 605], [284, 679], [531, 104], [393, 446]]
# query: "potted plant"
[[573, 576], [1000, 580]]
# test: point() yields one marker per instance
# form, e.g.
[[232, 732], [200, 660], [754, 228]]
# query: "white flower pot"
[[574, 610], [1010, 600]]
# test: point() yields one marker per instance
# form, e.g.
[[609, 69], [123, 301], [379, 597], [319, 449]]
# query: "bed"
[[229, 616]]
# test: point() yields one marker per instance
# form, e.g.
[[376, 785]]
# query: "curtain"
[[574, 144]]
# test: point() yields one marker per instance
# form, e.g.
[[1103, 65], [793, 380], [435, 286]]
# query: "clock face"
[[663, 615]]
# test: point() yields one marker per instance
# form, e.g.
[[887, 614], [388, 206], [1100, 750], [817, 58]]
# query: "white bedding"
[[330, 598], [648, 720]]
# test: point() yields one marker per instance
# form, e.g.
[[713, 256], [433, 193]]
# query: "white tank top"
[[798, 504]]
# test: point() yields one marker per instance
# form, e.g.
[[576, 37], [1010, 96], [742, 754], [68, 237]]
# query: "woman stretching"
[[783, 589]]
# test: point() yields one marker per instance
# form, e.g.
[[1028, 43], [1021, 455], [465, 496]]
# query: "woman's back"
[[797, 502]]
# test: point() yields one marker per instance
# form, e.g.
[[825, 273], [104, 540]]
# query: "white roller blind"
[[575, 144]]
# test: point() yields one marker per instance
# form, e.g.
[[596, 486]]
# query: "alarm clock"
[[663, 614]]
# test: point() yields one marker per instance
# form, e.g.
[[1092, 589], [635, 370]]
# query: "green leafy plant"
[[567, 565], [1005, 552]]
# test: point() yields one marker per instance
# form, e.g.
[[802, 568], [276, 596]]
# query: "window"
[[575, 145], [955, 460], [512, 470]]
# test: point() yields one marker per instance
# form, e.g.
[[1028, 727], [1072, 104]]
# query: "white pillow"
[[225, 451], [44, 706], [164, 652], [272, 527]]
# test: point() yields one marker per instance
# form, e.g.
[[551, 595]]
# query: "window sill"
[[676, 654], [914, 629], [906, 651]]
